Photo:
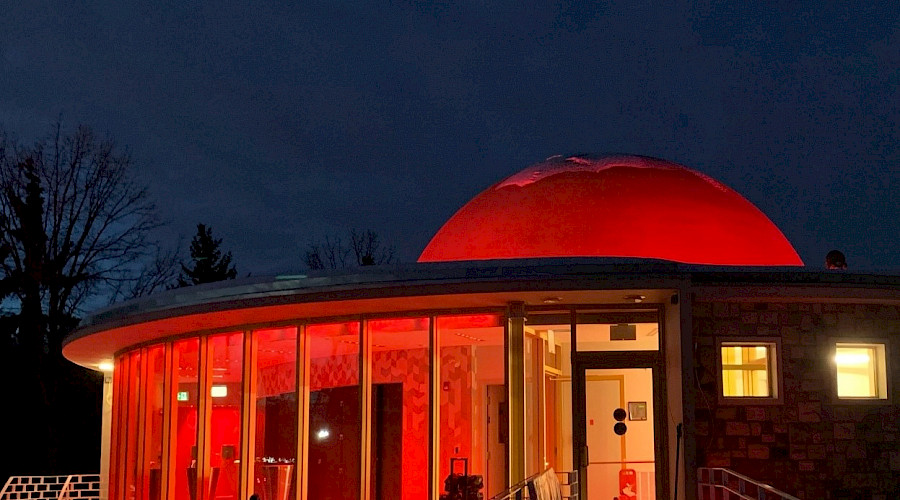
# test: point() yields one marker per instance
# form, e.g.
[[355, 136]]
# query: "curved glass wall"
[[372, 408]]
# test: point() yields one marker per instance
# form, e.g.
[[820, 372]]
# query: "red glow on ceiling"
[[626, 206], [333, 329], [468, 321], [399, 325]]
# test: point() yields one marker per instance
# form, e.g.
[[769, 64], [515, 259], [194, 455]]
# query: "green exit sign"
[[182, 395]]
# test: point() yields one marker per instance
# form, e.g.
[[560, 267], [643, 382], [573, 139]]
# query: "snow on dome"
[[612, 206]]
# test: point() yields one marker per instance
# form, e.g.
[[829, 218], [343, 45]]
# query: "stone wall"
[[810, 445]]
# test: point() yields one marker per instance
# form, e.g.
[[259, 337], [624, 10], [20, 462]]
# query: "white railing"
[[71, 487], [732, 486]]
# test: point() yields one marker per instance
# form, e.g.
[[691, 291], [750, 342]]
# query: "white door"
[[620, 465]]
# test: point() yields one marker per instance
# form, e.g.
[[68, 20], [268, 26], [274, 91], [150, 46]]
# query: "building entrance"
[[604, 399]]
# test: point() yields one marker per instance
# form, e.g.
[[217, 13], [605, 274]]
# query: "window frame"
[[776, 380], [882, 370]]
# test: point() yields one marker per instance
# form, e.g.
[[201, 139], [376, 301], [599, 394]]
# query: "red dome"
[[619, 206]]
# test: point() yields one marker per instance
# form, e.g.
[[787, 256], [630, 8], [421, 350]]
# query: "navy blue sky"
[[280, 122]]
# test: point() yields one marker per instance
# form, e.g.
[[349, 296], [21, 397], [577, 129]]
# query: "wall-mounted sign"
[[182, 396]]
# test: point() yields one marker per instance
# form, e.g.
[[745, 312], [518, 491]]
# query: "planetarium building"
[[628, 322]]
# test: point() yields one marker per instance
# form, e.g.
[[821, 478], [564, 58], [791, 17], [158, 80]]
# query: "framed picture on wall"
[[637, 410]]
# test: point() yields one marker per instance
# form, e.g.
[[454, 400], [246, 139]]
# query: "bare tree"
[[332, 253], [368, 250], [73, 225], [158, 274], [96, 220]]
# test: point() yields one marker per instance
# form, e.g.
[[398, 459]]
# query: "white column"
[[105, 434]]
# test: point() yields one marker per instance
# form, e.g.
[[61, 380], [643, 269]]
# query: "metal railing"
[[71, 487], [731, 485], [568, 482]]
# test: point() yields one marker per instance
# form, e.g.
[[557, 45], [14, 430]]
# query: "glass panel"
[[617, 331], [745, 370], [132, 426], [183, 438], [119, 424], [334, 413], [226, 354], [473, 410], [400, 401], [534, 418], [153, 423], [553, 331], [275, 442], [621, 465], [857, 372]]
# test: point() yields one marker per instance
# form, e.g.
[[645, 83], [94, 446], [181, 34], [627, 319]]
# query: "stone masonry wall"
[[811, 445]]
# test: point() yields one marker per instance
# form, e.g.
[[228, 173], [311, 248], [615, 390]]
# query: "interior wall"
[[409, 368], [640, 436]]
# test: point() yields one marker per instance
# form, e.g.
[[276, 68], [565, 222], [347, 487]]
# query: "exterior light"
[[218, 391], [322, 434], [106, 366]]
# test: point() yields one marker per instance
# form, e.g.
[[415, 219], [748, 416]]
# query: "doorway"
[[598, 360], [619, 426], [619, 434]]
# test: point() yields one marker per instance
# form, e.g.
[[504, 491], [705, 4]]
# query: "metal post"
[[515, 372]]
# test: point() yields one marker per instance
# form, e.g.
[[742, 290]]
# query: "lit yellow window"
[[747, 370], [860, 371]]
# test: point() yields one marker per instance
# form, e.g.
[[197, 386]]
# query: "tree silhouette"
[[208, 263], [74, 226], [331, 253]]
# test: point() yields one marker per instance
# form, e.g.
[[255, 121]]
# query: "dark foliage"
[[73, 226], [208, 263]]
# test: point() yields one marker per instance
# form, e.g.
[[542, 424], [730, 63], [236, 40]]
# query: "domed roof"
[[614, 206]]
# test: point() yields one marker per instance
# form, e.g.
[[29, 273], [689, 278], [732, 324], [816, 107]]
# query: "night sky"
[[278, 123]]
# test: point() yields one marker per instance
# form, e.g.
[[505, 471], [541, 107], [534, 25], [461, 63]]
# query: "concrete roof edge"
[[426, 277]]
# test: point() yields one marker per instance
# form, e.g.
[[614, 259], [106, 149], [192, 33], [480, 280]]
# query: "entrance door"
[[617, 425]]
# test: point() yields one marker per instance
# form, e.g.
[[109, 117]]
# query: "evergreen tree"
[[209, 264]]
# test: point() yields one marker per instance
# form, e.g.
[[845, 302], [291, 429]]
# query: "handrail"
[[711, 478], [519, 491]]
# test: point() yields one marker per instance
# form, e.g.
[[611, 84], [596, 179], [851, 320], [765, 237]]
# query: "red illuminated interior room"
[[625, 325]]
